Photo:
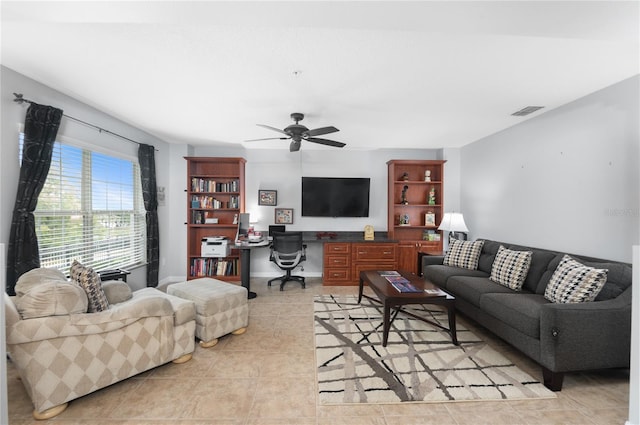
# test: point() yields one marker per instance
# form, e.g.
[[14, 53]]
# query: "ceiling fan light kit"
[[298, 132]]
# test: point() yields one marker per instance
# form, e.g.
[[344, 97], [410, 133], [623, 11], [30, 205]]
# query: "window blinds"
[[90, 209]]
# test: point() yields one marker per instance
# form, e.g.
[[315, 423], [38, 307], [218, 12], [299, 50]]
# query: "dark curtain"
[[40, 130], [149, 192]]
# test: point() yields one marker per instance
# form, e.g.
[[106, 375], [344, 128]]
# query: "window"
[[90, 209]]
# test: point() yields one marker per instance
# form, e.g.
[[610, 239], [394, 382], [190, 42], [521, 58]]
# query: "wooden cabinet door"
[[408, 256]]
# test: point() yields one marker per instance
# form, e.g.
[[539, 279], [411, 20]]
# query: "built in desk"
[[346, 254]]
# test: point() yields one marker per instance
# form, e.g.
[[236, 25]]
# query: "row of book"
[[203, 267], [205, 185], [210, 202]]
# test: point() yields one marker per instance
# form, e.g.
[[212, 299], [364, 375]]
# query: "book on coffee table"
[[385, 273], [402, 284]]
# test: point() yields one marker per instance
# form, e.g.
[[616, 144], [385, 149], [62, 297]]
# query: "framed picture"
[[430, 219], [268, 197], [284, 215]]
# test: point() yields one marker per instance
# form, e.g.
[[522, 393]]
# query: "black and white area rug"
[[419, 363]]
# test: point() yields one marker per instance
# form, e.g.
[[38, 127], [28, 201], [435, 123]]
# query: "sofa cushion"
[[183, 310], [520, 311], [510, 268], [36, 276], [439, 274], [463, 254], [50, 297], [116, 291], [573, 282], [472, 288], [89, 280], [487, 255]]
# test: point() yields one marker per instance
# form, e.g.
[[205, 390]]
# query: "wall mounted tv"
[[335, 196]]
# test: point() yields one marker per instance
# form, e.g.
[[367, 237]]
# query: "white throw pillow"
[[510, 267], [573, 282], [463, 254]]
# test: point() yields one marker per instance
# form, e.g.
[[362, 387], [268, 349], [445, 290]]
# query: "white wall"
[[282, 170], [13, 115], [566, 180]]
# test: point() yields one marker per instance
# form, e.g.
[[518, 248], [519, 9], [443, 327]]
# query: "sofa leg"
[[183, 359], [239, 331], [552, 380], [50, 413], [208, 344]]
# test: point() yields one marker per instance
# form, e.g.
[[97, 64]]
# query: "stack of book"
[[399, 282]]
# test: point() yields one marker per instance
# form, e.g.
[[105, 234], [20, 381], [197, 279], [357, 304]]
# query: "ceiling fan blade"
[[268, 138], [271, 128], [322, 130], [326, 142]]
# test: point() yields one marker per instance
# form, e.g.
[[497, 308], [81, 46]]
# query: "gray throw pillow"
[[116, 291]]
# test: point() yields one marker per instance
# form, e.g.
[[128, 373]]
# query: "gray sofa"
[[560, 337]]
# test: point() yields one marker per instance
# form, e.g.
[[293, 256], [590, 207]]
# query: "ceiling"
[[419, 74]]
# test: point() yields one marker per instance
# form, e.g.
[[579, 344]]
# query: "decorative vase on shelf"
[[432, 196], [427, 175]]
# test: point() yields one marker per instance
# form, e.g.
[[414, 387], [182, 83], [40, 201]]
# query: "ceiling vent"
[[526, 111]]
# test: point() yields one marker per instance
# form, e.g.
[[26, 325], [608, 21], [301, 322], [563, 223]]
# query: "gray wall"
[[566, 180]]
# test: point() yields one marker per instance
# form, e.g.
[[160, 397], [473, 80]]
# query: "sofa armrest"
[[585, 336], [430, 260], [116, 317]]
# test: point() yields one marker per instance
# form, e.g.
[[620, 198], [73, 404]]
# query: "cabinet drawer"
[[337, 261], [336, 275], [337, 247], [374, 252]]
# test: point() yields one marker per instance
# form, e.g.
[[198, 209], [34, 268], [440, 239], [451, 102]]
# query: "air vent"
[[526, 111]]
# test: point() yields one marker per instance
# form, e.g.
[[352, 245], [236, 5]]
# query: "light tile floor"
[[267, 377]]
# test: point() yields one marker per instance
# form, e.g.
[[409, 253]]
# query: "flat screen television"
[[335, 196]]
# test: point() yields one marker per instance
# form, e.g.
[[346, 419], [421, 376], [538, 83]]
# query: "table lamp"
[[452, 223]]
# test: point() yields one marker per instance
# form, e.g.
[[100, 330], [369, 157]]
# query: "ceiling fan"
[[298, 132]]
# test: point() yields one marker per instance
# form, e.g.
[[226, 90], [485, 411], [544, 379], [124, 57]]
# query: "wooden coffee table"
[[390, 298]]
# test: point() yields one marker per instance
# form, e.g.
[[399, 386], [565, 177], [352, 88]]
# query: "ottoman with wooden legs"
[[221, 307]]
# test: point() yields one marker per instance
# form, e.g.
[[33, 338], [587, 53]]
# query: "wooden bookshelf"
[[215, 192], [409, 202]]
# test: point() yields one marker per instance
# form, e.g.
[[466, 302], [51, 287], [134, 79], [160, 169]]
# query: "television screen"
[[335, 197]]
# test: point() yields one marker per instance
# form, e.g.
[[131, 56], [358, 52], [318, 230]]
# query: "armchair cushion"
[[116, 291], [51, 298]]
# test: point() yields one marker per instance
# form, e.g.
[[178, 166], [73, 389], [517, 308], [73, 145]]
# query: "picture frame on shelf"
[[430, 219], [284, 215], [268, 197]]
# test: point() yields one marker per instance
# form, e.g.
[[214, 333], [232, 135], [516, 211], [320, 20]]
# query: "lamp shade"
[[453, 222]]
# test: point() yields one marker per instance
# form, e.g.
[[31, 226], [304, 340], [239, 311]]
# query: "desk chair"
[[288, 251]]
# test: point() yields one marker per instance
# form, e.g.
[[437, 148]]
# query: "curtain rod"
[[20, 100]]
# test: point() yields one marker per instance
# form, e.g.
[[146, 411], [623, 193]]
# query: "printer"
[[215, 246]]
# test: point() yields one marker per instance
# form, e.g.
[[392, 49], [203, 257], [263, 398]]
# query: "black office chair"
[[288, 251]]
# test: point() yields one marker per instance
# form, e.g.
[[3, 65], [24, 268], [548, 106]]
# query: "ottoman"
[[221, 307]]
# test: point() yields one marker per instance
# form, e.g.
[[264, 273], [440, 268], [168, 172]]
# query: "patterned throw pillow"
[[573, 282], [463, 254], [89, 280], [510, 268]]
